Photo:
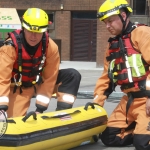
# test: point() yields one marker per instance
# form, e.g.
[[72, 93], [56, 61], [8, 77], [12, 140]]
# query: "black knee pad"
[[70, 81], [63, 106], [74, 73], [141, 141], [109, 137]]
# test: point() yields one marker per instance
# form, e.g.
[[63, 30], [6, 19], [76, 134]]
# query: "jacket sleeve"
[[140, 38], [7, 59], [103, 86], [49, 76]]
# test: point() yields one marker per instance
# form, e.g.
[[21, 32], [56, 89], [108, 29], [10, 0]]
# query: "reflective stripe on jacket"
[[126, 64], [140, 38]]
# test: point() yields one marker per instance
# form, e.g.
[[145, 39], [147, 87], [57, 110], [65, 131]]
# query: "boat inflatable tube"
[[59, 130]]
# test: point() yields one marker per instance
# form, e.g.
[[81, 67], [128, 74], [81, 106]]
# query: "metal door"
[[83, 39]]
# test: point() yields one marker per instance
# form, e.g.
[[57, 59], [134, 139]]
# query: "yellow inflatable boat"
[[59, 130]]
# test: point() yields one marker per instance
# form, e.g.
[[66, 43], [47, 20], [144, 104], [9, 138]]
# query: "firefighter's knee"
[[109, 138], [141, 141], [63, 105], [75, 74], [104, 137]]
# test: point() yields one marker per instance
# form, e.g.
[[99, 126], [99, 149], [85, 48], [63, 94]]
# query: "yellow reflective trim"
[[20, 68], [135, 65]]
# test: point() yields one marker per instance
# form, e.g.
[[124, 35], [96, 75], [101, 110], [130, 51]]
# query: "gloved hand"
[[38, 111]]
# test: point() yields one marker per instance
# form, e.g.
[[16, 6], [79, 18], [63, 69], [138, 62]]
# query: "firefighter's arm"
[[141, 41], [103, 86], [7, 59], [49, 76], [140, 38]]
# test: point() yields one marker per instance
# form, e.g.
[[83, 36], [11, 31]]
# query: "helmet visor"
[[114, 11]]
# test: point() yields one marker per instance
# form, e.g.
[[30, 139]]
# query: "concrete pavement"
[[90, 75]]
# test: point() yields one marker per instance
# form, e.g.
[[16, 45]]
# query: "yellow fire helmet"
[[35, 20], [112, 7]]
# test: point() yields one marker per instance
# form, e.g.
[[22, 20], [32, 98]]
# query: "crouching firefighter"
[[30, 67], [126, 64]]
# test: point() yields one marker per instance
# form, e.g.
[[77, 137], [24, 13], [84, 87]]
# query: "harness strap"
[[122, 76], [31, 73], [9, 42], [114, 55], [27, 84], [110, 75], [33, 60], [15, 88], [141, 84], [132, 95], [44, 43], [114, 45], [18, 39], [118, 54], [29, 68], [140, 94], [120, 66]]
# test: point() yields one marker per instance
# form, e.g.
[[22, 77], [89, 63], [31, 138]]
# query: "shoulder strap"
[[44, 43], [136, 25], [9, 42], [18, 39]]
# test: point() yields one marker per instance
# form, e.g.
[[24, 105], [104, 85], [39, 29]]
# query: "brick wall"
[[63, 21], [62, 24], [62, 18], [102, 37]]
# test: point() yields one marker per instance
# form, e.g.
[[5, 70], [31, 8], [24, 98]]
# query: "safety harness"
[[27, 72], [127, 67]]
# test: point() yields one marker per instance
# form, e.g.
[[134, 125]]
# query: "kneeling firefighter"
[[30, 67], [126, 64]]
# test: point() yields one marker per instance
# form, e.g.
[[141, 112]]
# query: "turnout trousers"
[[66, 89], [136, 131]]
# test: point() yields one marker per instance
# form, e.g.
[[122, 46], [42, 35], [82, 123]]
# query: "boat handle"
[[32, 113], [60, 116], [89, 104]]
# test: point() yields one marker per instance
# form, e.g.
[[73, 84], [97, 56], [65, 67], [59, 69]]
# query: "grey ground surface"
[[90, 74]]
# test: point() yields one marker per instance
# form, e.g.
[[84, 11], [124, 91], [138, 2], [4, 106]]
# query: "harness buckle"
[[135, 25], [19, 83], [42, 62]]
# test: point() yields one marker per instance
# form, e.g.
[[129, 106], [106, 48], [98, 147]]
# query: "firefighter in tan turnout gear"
[[30, 67], [126, 64]]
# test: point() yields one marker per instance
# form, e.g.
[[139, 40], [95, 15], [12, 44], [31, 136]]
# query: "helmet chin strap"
[[124, 23]]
